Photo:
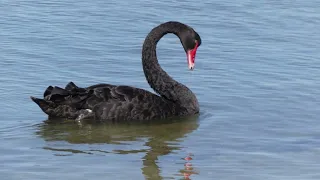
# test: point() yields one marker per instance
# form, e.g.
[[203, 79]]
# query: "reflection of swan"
[[157, 137], [124, 103]]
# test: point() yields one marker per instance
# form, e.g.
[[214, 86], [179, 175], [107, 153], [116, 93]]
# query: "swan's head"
[[190, 40]]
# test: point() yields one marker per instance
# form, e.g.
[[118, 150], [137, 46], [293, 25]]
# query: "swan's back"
[[108, 102]]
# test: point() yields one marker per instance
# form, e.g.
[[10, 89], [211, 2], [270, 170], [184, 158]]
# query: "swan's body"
[[106, 102]]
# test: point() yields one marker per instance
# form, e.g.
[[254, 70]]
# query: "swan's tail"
[[64, 103], [43, 104]]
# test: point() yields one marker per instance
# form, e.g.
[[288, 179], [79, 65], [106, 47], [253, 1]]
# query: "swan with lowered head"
[[106, 102]]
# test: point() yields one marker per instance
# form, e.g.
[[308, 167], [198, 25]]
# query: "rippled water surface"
[[256, 78]]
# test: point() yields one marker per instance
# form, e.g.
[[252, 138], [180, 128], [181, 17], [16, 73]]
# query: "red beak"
[[191, 56]]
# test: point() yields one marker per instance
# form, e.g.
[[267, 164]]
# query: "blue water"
[[256, 78]]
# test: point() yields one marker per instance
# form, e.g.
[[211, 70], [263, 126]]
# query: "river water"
[[256, 79]]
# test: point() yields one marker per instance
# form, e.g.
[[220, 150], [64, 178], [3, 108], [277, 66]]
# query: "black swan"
[[106, 102]]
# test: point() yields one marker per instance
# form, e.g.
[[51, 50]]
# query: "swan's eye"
[[197, 39]]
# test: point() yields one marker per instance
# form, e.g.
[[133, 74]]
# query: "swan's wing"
[[127, 103], [107, 101]]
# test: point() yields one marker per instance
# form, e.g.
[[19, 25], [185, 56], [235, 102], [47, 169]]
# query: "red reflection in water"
[[188, 168]]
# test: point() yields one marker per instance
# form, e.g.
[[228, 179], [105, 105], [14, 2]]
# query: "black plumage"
[[105, 102]]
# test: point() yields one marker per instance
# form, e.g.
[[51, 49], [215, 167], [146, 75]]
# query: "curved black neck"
[[158, 79]]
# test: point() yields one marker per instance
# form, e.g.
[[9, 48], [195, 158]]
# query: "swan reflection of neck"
[[161, 139]]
